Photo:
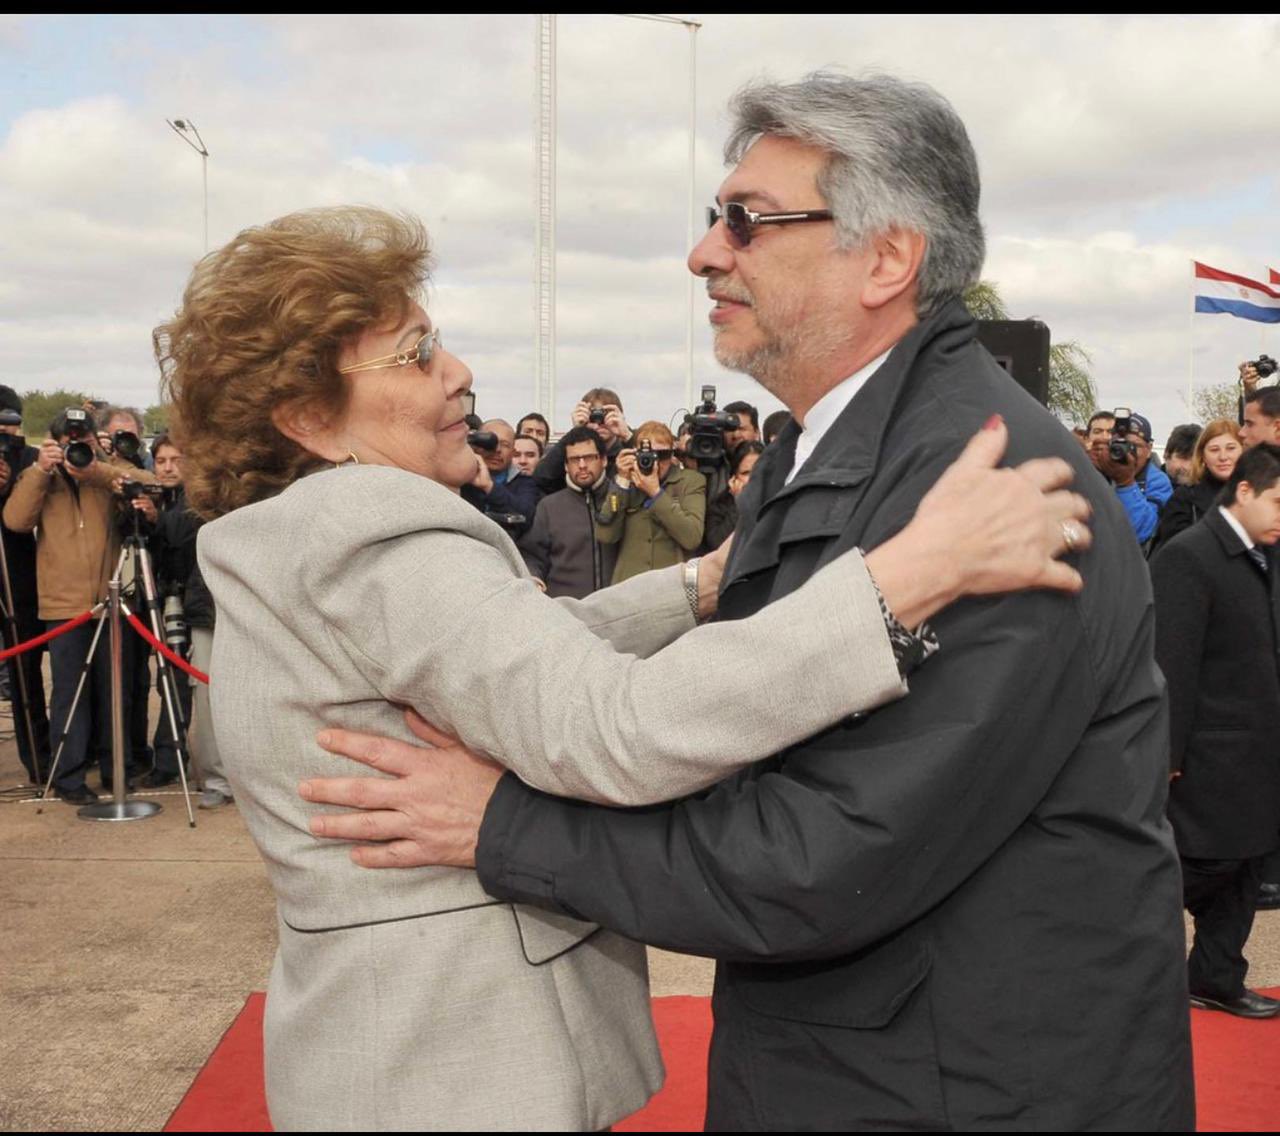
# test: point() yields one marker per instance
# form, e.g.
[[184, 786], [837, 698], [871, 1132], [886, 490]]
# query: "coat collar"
[[1228, 538], [848, 454]]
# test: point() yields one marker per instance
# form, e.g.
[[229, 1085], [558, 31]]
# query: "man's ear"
[[895, 268], [302, 422]]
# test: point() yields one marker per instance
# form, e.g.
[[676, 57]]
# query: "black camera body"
[[707, 427], [1121, 449], [126, 444], [132, 490], [1265, 366], [646, 459], [596, 417], [485, 440], [79, 449], [12, 446]]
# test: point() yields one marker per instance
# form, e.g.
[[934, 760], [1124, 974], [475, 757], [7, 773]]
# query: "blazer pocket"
[[864, 991], [545, 935]]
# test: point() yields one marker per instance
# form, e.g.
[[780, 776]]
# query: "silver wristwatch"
[[691, 585]]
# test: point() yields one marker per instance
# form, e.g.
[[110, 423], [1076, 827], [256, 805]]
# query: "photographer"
[[187, 604], [501, 490], [121, 435], [67, 495], [1251, 375], [1123, 457], [747, 429], [655, 510], [20, 559], [601, 410]]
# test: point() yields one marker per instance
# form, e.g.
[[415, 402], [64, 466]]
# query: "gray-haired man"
[[962, 911]]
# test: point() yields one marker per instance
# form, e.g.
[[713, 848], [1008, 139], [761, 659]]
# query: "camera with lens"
[[1121, 449], [485, 440], [707, 427], [646, 459], [176, 636], [1264, 365], [12, 446], [126, 444], [596, 417], [132, 490], [79, 449]]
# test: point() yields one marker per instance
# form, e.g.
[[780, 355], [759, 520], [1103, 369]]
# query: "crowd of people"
[[70, 507]]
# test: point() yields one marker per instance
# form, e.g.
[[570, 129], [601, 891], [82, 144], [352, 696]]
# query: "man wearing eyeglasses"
[[962, 911]]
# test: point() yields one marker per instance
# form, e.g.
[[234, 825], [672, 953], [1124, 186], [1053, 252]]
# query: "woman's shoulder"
[[337, 511]]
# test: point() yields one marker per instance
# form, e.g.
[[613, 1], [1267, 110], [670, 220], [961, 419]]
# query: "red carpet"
[[1237, 1074]]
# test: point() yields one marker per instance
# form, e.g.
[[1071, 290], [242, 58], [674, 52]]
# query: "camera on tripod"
[[707, 427], [1121, 449], [132, 490], [79, 450]]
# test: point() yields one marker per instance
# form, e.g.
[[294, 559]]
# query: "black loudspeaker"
[[1021, 347]]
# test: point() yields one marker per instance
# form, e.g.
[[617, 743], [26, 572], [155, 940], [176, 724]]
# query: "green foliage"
[[156, 419], [1072, 394], [39, 408], [1221, 400]]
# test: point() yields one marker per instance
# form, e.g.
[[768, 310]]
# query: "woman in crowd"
[[1214, 460], [722, 510], [323, 432]]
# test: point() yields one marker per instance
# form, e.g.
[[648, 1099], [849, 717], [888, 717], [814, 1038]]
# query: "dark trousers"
[[29, 626], [89, 731], [1220, 894], [166, 750], [1271, 868]]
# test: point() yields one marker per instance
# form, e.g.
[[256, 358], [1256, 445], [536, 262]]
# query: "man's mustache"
[[725, 290]]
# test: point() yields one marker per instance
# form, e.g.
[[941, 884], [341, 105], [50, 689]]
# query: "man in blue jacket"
[[1142, 487]]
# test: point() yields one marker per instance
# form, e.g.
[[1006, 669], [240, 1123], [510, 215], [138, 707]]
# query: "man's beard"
[[787, 347]]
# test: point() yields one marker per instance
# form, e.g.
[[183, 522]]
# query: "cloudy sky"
[[1114, 150]]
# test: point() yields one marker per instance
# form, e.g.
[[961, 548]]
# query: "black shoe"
[[158, 780], [80, 795], [1250, 1004], [1268, 897]]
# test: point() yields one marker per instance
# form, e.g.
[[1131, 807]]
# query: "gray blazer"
[[365, 587]]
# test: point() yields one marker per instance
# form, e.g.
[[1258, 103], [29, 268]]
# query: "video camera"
[[1121, 449], [132, 490], [79, 450], [707, 427], [485, 440]]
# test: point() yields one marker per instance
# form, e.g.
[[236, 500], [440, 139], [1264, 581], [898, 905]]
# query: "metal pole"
[[117, 808], [693, 206], [204, 169], [19, 671]]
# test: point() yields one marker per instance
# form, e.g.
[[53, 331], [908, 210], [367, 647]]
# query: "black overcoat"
[[963, 911], [1217, 633]]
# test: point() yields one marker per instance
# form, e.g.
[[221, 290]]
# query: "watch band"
[[691, 585]]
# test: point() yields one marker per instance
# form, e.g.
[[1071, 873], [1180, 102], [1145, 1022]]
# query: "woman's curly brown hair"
[[261, 325]]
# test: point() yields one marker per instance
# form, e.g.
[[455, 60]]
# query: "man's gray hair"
[[900, 157]]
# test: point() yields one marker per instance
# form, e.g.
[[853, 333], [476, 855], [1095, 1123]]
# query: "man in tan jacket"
[[74, 514]]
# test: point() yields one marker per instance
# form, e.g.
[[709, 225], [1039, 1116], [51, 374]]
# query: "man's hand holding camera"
[[1123, 471]]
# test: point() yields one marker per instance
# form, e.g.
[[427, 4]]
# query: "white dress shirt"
[[1236, 525], [823, 414]]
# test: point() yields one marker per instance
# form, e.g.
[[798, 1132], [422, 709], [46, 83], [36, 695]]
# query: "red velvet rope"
[[177, 660], [40, 640]]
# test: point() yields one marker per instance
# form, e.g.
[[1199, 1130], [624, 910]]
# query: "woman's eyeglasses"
[[738, 219], [421, 353]]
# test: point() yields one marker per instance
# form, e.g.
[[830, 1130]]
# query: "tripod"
[[134, 552]]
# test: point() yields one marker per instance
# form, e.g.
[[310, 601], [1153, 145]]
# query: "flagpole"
[[1191, 346]]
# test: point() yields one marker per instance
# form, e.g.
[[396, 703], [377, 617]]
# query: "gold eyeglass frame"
[[400, 358]]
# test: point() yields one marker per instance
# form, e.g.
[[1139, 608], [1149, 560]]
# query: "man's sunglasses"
[[738, 219]]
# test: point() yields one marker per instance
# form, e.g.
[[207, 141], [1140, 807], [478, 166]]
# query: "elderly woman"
[[322, 422], [1212, 462]]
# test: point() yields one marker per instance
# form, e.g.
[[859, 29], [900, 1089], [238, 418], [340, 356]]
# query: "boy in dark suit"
[[1217, 635]]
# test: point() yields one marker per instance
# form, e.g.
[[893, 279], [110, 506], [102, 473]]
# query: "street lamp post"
[[185, 129]]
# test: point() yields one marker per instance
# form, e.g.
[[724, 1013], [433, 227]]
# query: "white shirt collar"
[[823, 414], [1235, 524]]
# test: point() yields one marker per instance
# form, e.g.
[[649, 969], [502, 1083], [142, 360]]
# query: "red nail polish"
[[992, 422]]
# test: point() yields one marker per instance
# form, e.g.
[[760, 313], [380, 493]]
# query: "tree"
[[1220, 400], [156, 419], [40, 408], [1072, 394]]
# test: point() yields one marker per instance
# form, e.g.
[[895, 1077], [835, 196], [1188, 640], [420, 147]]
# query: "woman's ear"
[[301, 422]]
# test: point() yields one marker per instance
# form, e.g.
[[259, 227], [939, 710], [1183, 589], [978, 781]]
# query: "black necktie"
[[1259, 558]]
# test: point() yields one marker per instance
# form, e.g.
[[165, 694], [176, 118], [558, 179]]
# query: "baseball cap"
[[1140, 425]]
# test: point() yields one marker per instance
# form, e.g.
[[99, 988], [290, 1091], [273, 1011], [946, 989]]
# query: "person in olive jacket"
[[657, 517]]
